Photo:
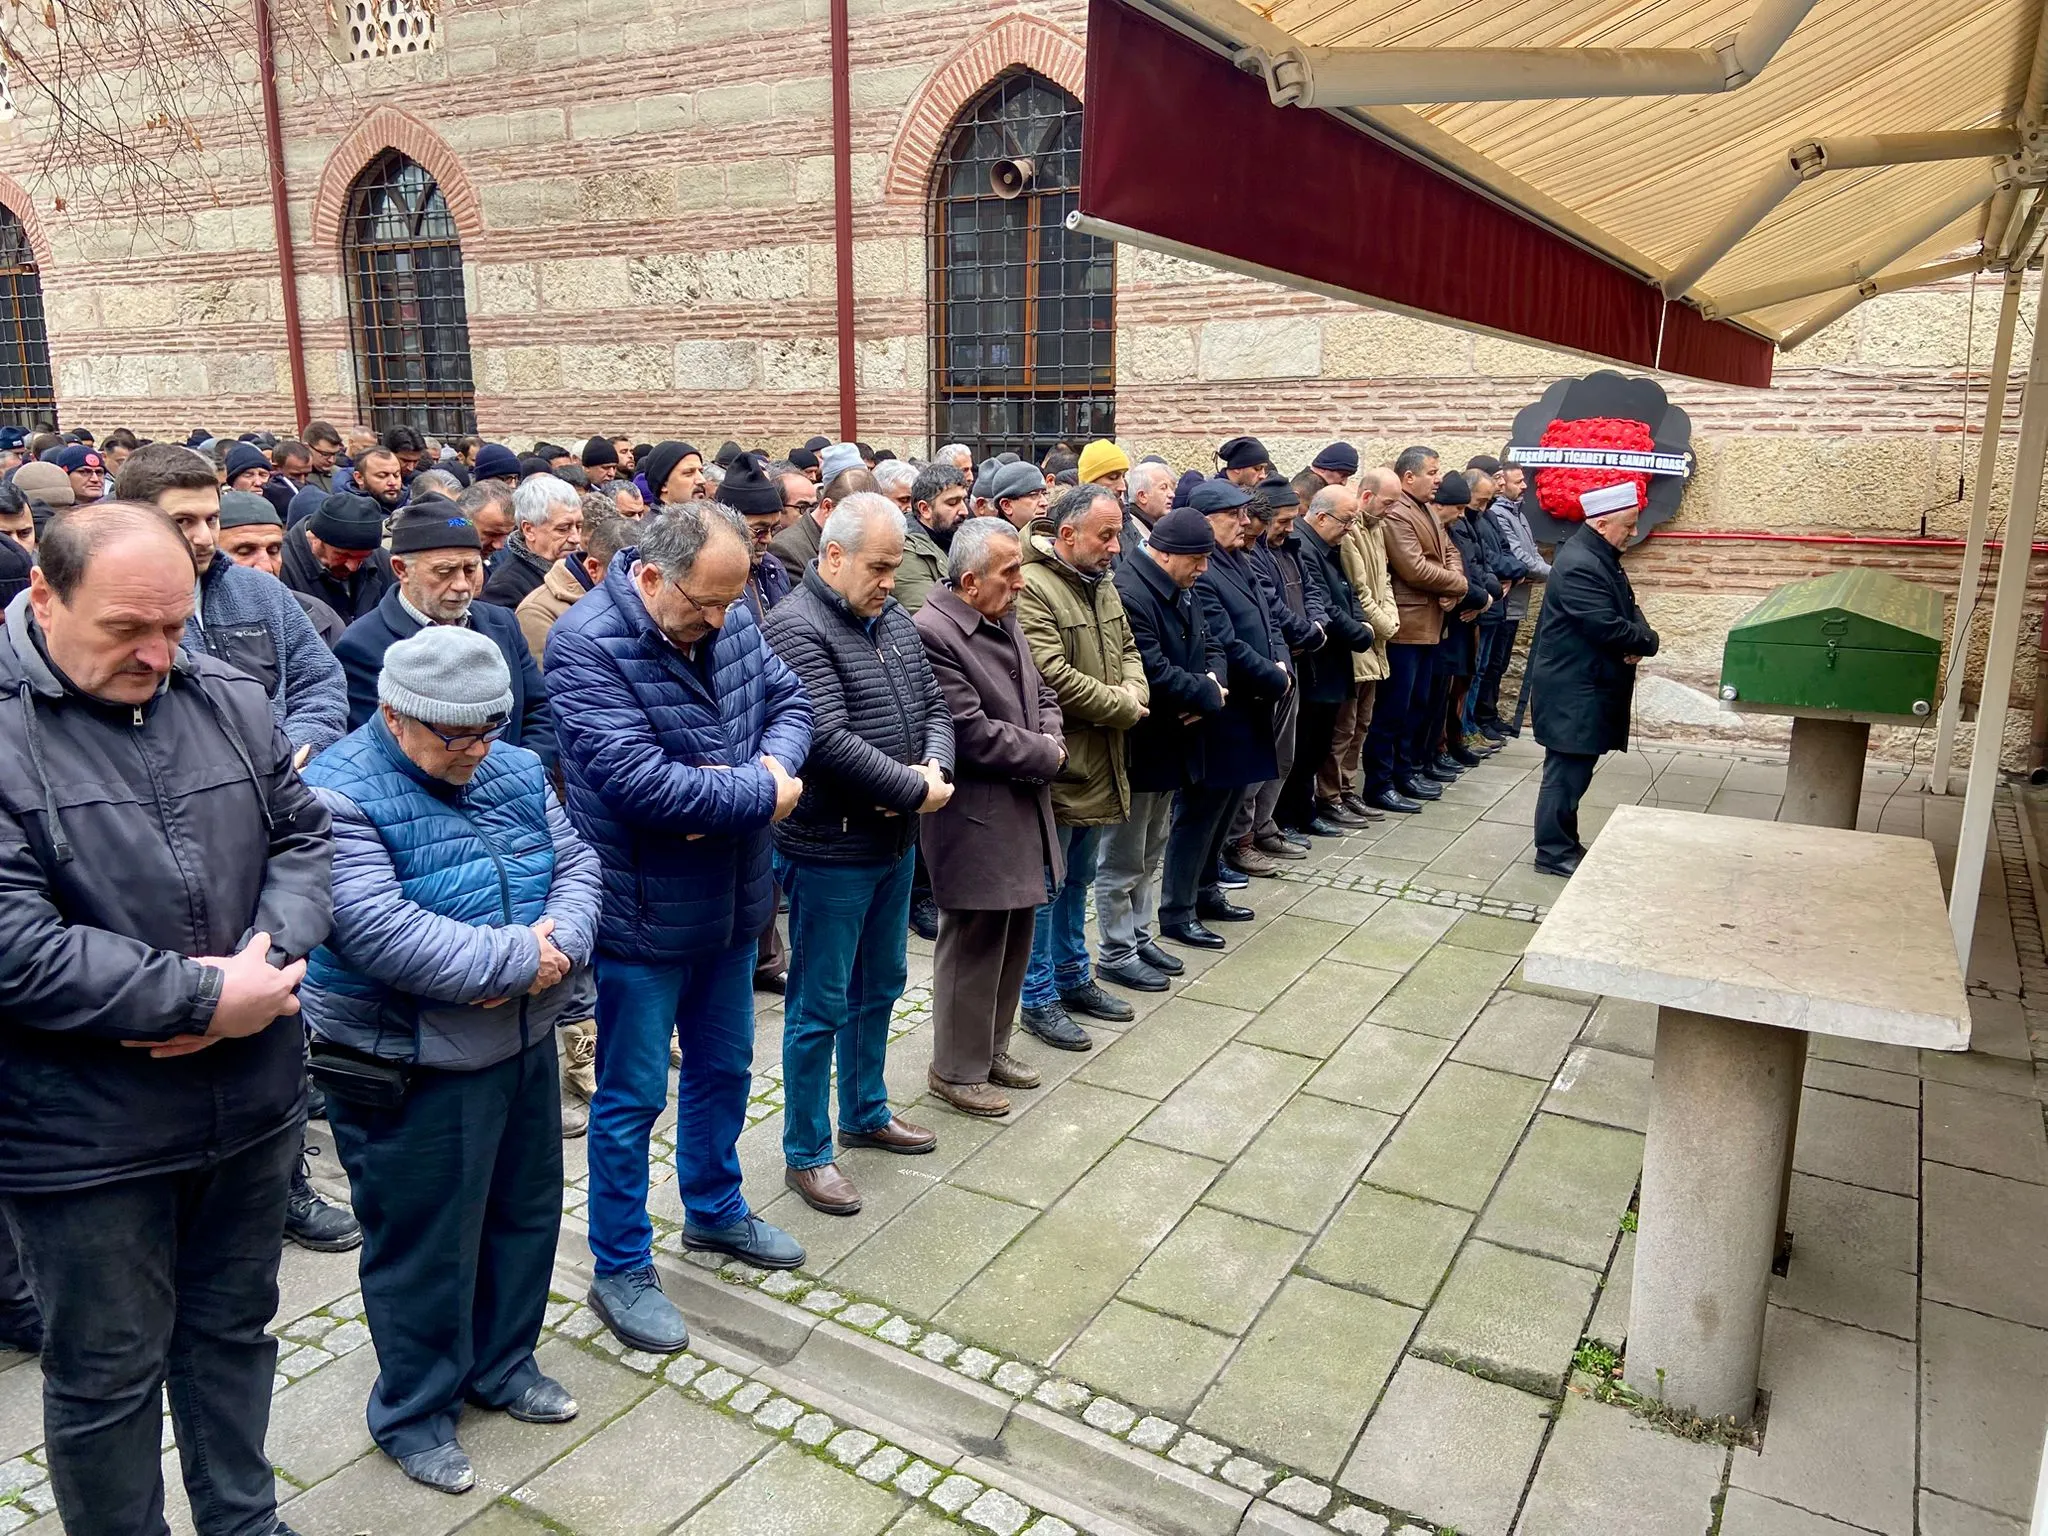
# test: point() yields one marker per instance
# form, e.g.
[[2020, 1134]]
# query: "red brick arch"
[[389, 128], [15, 196], [1015, 39]]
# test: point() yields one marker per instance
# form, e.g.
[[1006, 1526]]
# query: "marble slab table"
[[1747, 936]]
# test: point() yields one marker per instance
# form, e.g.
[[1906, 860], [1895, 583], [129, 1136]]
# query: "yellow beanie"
[[1102, 457]]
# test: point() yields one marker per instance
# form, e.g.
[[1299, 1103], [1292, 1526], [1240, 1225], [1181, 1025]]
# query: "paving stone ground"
[[1308, 1245]]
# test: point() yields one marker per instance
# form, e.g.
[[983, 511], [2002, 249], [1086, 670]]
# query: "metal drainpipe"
[[842, 215], [280, 216]]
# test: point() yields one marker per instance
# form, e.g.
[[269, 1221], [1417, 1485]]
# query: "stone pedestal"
[[1824, 774], [1723, 1103]]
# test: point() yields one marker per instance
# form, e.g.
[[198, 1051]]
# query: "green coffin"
[[1859, 641]]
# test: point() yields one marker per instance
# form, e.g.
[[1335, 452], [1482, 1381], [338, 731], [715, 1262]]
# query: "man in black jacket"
[[1325, 673], [547, 514], [1188, 686], [337, 555], [1582, 669], [881, 755], [163, 873]]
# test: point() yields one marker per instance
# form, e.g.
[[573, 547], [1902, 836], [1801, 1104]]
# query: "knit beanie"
[[197, 436], [1014, 480], [1102, 457], [447, 674], [348, 521], [494, 461], [727, 452], [1338, 459], [599, 450], [1183, 531], [803, 458], [748, 487], [1184, 488], [1242, 453], [239, 509], [245, 456], [836, 459], [45, 482], [433, 523], [1278, 491], [1452, 491], [304, 505], [660, 462]]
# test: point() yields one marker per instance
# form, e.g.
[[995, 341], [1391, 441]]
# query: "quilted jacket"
[[876, 709], [661, 755], [435, 888]]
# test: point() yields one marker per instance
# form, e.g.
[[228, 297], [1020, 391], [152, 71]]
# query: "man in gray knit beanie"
[[447, 695]]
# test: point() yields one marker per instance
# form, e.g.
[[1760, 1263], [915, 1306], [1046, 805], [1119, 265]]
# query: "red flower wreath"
[[1558, 489]]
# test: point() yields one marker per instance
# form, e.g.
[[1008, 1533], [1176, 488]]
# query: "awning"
[[1750, 170]]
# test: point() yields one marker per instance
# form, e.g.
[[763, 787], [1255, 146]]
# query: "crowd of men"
[[497, 769]]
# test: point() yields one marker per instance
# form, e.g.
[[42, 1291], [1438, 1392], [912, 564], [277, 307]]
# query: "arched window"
[[26, 397], [1023, 312], [404, 264]]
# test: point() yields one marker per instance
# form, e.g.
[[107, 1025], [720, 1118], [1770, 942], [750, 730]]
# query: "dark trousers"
[[459, 1191], [172, 1277], [977, 980], [1425, 743], [1314, 729], [1486, 711], [18, 1311], [1565, 777], [1201, 820], [771, 954], [1409, 669]]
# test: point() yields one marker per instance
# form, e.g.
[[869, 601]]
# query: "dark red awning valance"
[[1181, 146]]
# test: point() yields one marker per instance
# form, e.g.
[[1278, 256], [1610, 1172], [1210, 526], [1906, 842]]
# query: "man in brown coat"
[[605, 533], [1428, 577], [990, 848]]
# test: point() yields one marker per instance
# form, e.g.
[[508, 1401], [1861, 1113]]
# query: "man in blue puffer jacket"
[[680, 737], [470, 915]]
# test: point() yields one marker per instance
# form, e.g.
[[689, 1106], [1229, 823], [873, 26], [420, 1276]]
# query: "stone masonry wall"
[[643, 190]]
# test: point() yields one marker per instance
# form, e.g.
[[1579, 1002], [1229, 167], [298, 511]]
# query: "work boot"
[[924, 918], [982, 1099], [579, 1058], [1248, 860], [639, 1316], [311, 1222], [1274, 845], [1052, 1025], [1091, 1000], [1006, 1071]]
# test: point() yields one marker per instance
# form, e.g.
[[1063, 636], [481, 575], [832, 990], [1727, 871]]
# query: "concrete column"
[[1824, 774], [1722, 1103]]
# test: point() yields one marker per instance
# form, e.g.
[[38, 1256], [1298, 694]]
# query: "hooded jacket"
[[436, 888], [661, 765], [251, 620], [1081, 643], [133, 837]]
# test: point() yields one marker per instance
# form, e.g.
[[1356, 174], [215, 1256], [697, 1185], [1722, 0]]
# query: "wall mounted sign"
[[1596, 443]]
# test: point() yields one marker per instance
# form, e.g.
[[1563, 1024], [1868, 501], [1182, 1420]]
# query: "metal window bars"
[[1023, 312], [404, 264], [26, 396]]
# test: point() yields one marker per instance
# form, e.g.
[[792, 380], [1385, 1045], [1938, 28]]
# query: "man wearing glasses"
[[682, 735], [437, 558]]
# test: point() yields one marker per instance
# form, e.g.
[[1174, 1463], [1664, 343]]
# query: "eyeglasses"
[[462, 741], [707, 609]]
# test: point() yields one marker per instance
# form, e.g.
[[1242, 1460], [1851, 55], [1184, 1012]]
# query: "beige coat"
[[538, 610], [1364, 552]]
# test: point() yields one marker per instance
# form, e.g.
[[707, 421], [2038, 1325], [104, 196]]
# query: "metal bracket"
[[1289, 81]]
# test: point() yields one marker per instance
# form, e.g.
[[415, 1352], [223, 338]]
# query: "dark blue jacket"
[[362, 648], [661, 759], [1237, 742], [436, 887], [1172, 637]]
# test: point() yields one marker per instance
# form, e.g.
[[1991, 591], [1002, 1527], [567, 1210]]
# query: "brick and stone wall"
[[643, 190]]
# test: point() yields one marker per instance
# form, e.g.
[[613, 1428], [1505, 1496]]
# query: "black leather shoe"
[[1160, 960], [547, 1401], [1421, 789], [1566, 867], [1194, 935], [1463, 756], [1299, 839], [924, 918], [1052, 1025], [1325, 828], [1391, 800], [1133, 973], [1221, 909], [1095, 1003], [444, 1468], [1446, 769]]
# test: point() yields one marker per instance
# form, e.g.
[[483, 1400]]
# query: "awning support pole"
[[1871, 287], [1973, 546], [2013, 562]]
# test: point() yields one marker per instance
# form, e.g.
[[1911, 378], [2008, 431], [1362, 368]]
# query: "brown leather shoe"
[[896, 1136], [1006, 1071], [970, 1098], [824, 1188]]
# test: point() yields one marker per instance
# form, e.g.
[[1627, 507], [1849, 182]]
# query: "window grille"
[[404, 264], [26, 396]]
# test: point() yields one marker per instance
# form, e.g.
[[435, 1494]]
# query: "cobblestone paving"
[[1309, 1245]]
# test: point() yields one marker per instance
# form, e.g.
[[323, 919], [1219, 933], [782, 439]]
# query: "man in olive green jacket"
[[1364, 553], [1081, 642]]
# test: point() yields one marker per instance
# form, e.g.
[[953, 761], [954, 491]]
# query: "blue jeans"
[[706, 1002], [849, 925], [1059, 935]]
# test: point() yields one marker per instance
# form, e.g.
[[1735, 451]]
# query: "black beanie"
[[1183, 531], [434, 524], [348, 521], [532, 464], [1452, 491], [660, 462], [747, 487], [727, 452], [803, 458], [599, 450]]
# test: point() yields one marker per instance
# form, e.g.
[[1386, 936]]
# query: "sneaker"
[[1052, 1025], [1230, 877], [1480, 746], [1248, 860], [1492, 732], [924, 918], [751, 1240], [1133, 973], [632, 1306], [445, 1468], [1091, 1000], [312, 1223]]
